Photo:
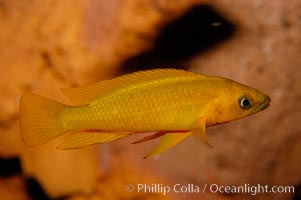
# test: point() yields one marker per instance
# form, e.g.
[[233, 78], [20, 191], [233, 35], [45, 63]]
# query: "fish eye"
[[245, 102]]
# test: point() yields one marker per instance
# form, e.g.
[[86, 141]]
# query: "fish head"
[[238, 101]]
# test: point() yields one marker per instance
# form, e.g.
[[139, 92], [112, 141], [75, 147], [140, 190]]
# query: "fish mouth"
[[264, 104]]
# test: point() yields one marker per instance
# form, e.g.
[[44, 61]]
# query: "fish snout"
[[264, 104]]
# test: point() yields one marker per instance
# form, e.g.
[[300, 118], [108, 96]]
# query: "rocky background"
[[50, 44]]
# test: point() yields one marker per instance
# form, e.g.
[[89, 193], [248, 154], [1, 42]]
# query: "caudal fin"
[[39, 119]]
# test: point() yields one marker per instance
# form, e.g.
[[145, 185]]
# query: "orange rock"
[[13, 188], [52, 44], [46, 45]]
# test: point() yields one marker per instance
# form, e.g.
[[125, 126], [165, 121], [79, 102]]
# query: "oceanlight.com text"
[[250, 189], [192, 188]]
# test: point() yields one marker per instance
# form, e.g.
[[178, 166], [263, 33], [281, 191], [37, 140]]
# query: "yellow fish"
[[172, 103]]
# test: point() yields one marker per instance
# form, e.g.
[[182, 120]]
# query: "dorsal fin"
[[88, 93]]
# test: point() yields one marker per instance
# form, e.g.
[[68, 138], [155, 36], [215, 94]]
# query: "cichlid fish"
[[172, 103]]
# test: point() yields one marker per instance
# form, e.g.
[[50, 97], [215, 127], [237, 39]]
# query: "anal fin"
[[167, 141], [85, 138]]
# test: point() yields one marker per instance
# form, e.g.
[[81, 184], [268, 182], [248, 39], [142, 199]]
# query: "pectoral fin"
[[86, 138], [199, 130], [167, 141]]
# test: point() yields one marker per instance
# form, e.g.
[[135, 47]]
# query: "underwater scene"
[[150, 99]]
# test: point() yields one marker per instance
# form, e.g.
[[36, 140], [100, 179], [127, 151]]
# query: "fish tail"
[[39, 119]]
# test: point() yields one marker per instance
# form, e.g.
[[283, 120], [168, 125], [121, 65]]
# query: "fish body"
[[170, 105], [173, 103]]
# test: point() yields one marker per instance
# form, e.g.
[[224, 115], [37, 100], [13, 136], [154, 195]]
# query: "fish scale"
[[142, 110]]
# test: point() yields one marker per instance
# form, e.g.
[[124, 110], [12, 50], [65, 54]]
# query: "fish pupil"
[[245, 103]]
